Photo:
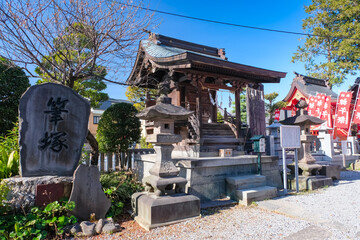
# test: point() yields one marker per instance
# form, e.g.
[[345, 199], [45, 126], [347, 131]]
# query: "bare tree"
[[67, 40]]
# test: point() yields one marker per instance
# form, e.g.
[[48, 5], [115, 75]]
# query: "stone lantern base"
[[153, 211], [310, 169]]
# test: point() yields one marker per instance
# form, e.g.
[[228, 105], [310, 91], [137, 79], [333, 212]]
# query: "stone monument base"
[[26, 192], [310, 182], [152, 211]]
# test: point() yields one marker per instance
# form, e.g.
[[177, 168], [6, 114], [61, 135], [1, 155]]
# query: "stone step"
[[246, 181], [219, 135], [215, 125], [218, 132], [216, 147], [247, 196], [221, 140]]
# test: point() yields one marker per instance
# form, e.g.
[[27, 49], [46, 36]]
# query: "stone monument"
[[164, 201], [53, 128], [88, 195]]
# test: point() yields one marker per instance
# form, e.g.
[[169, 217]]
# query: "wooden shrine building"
[[195, 73]]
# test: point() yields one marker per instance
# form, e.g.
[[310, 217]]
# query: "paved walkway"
[[334, 212], [329, 213]]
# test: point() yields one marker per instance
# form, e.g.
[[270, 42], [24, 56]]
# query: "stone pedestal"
[[153, 211], [326, 143], [310, 182]]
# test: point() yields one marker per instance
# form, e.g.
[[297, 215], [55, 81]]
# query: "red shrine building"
[[303, 87]]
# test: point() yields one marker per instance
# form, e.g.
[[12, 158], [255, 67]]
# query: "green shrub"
[[9, 154], [39, 223], [119, 186], [4, 190], [144, 144]]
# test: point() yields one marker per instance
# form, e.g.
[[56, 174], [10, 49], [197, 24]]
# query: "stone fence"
[[115, 162]]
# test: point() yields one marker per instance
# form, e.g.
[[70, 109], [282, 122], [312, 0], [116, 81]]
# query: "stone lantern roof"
[[164, 110], [301, 118]]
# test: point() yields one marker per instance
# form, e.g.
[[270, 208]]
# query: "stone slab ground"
[[328, 213]]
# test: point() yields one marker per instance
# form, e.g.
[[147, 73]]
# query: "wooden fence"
[[123, 161]]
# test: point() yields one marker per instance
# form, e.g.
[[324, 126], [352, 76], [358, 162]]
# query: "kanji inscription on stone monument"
[[53, 128]]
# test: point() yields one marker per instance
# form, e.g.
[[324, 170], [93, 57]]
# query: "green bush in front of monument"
[[38, 223], [118, 187]]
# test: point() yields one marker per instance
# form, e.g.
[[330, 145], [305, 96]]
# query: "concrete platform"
[[206, 176], [152, 211], [310, 182]]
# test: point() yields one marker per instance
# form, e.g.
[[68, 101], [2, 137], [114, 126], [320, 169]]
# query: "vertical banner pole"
[[296, 170], [354, 108], [284, 170]]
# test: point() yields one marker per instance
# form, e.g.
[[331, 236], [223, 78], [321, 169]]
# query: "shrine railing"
[[194, 127], [123, 161]]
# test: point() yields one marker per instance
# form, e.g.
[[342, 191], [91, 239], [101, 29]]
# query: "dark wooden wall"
[[255, 109]]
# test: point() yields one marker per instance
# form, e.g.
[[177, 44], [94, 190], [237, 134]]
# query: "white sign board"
[[262, 145], [290, 136]]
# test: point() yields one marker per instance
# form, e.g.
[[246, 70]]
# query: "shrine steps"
[[248, 188], [217, 136]]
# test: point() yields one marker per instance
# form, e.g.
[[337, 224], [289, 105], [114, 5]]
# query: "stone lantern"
[[306, 160], [164, 201]]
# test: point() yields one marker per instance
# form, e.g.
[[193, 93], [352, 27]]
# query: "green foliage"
[[243, 115], [119, 186], [9, 154], [38, 223], [270, 106], [4, 190], [333, 52], [137, 96], [13, 83], [74, 48], [118, 128], [219, 117], [144, 144]]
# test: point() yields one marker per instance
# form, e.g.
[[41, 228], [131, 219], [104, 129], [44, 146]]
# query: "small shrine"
[[195, 73], [195, 152]]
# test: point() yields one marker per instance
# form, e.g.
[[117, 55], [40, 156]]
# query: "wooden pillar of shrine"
[[199, 109], [238, 112], [255, 109]]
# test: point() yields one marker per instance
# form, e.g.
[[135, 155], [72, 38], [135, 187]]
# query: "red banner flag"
[[326, 112], [343, 107], [312, 106], [277, 114], [320, 100], [356, 118]]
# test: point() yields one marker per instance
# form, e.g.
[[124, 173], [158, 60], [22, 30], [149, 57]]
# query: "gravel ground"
[[329, 213]]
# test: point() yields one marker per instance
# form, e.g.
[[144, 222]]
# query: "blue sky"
[[262, 49]]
